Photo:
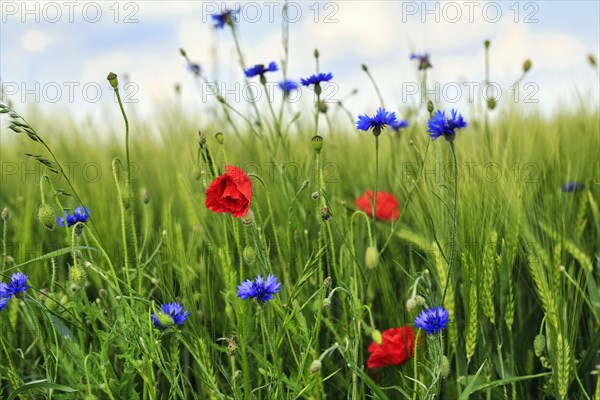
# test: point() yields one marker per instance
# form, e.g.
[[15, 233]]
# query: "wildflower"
[[572, 186], [172, 314], [260, 289], [378, 122], [17, 285], [230, 193], [3, 303], [259, 69], [81, 214], [423, 60], [432, 320], [396, 126], [287, 86], [397, 346], [386, 205], [440, 126], [316, 79], [226, 17]]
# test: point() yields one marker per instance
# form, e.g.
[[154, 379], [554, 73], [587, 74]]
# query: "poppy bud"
[[112, 79], [315, 196], [317, 142], [249, 254], [591, 59], [491, 103], [305, 183], [219, 137], [197, 172], [486, 44], [77, 275], [411, 304], [429, 106], [316, 53], [183, 53], [10, 261], [248, 218], [325, 213], [539, 345], [364, 67], [328, 281], [47, 216], [526, 66], [371, 257], [322, 107], [376, 336], [315, 366], [445, 367]]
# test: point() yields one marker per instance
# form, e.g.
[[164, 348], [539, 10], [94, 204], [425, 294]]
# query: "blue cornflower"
[[194, 68], [432, 320], [172, 314], [440, 126], [378, 122], [226, 17], [316, 79], [81, 214], [572, 186], [17, 285], [260, 289], [3, 303], [423, 60], [259, 69], [396, 126], [287, 86]]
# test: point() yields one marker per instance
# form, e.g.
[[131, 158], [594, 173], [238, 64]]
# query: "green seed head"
[[317, 142], [539, 345], [112, 79], [526, 66], [47, 216], [219, 137], [591, 59]]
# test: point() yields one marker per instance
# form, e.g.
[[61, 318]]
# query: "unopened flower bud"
[[5, 214], [315, 366], [539, 345], [376, 336], [445, 367], [429, 106], [323, 107], [364, 67], [112, 79], [316, 53], [77, 275], [248, 218], [526, 66], [315, 196], [219, 137], [102, 293], [491, 103], [326, 303], [249, 254], [183, 53], [47, 216], [411, 304], [486, 44], [317, 142], [420, 300], [371, 257], [325, 213], [10, 261], [197, 172], [305, 184], [328, 281]]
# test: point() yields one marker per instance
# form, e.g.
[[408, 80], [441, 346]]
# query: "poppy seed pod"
[[112, 79], [317, 142]]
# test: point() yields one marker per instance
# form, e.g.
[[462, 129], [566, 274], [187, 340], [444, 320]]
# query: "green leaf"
[[41, 384], [54, 254]]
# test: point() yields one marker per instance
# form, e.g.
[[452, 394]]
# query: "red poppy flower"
[[387, 205], [230, 193], [397, 346]]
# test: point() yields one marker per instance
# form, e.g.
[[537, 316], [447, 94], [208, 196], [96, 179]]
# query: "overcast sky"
[[59, 53]]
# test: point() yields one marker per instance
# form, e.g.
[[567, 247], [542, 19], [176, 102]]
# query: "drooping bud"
[[539, 345], [376, 336], [5, 214], [371, 257], [112, 79], [420, 301], [317, 142], [47, 216], [315, 366], [248, 218], [323, 107], [411, 304], [526, 66], [197, 172], [249, 254], [219, 137], [445, 367]]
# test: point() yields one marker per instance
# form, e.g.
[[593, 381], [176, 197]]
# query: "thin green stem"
[[454, 212]]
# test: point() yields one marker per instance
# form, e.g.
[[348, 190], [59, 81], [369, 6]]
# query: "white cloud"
[[33, 41]]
